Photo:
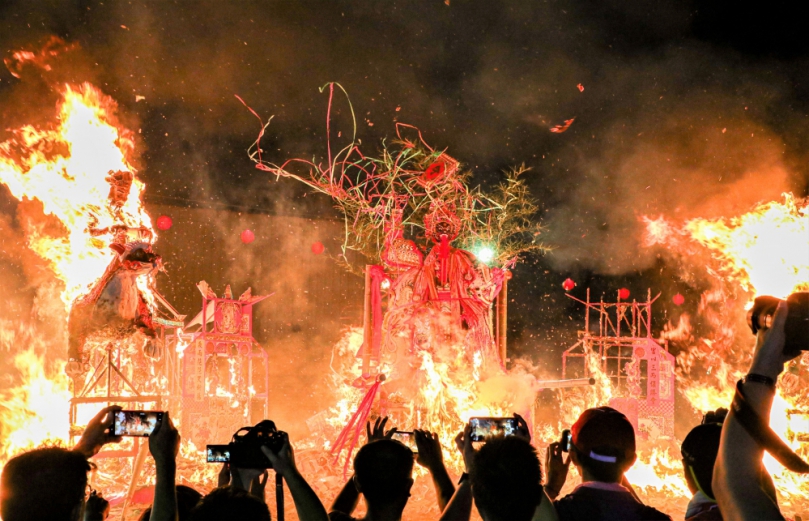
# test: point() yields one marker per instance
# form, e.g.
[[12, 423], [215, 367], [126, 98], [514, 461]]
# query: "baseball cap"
[[604, 434]]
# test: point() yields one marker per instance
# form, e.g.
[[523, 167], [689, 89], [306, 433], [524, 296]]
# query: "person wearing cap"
[[699, 450], [602, 448]]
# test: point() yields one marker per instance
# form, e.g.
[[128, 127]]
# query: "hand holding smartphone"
[[408, 438], [136, 423], [483, 428], [566, 441]]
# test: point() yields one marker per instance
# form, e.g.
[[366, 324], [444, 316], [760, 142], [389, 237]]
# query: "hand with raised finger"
[[378, 432], [99, 432], [557, 467], [429, 447], [522, 428], [258, 484]]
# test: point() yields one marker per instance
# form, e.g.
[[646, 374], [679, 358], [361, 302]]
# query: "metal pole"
[[367, 326], [502, 319]]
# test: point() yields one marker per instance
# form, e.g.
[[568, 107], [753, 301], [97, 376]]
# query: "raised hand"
[[557, 466], [429, 447], [283, 461], [464, 443], [98, 432], [96, 508], [378, 432], [769, 357], [164, 442], [522, 428]]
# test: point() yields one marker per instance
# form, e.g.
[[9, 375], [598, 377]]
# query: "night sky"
[[689, 109]]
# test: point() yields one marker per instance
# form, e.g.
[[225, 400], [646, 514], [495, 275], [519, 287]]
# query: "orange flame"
[[762, 252], [65, 170]]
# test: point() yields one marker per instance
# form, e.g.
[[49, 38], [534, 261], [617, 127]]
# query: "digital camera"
[[796, 329], [245, 449]]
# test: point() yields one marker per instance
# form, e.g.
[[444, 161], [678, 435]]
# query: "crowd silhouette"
[[503, 476]]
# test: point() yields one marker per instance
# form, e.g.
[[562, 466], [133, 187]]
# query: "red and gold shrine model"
[[224, 369]]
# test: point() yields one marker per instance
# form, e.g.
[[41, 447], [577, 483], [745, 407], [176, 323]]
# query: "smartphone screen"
[[136, 423], [218, 453], [566, 440], [408, 438], [482, 428]]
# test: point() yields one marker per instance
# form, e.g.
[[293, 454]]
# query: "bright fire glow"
[[762, 252], [65, 169]]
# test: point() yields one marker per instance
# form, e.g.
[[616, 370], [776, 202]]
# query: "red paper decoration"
[[568, 284], [164, 222], [248, 236], [623, 293], [318, 248], [678, 299]]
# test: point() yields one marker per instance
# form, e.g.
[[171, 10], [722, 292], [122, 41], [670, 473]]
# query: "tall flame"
[[65, 168], [762, 252]]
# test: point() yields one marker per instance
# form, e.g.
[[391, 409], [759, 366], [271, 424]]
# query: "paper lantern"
[[164, 222], [678, 299], [248, 236], [318, 248], [623, 293], [568, 284]]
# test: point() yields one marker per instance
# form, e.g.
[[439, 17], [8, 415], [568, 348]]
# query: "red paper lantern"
[[623, 293], [678, 299], [164, 222], [568, 284], [318, 248], [248, 236]]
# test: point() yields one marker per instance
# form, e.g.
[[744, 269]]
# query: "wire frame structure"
[[639, 368]]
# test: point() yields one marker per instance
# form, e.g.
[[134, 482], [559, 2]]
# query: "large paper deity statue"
[[439, 303]]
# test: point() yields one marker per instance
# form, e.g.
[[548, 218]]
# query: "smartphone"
[[136, 423], [566, 441], [408, 438], [482, 428], [218, 453]]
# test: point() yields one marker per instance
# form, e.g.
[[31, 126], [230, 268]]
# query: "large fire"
[[64, 169], [60, 173], [762, 252]]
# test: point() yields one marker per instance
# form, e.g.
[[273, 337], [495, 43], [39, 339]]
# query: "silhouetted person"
[[44, 485], [187, 499], [602, 449], [504, 477], [699, 450], [383, 473], [50, 484], [506, 480], [226, 503]]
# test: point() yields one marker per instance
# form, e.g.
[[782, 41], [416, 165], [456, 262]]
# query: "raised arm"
[[738, 469], [164, 443], [307, 504], [346, 501], [98, 432], [460, 506], [431, 457]]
